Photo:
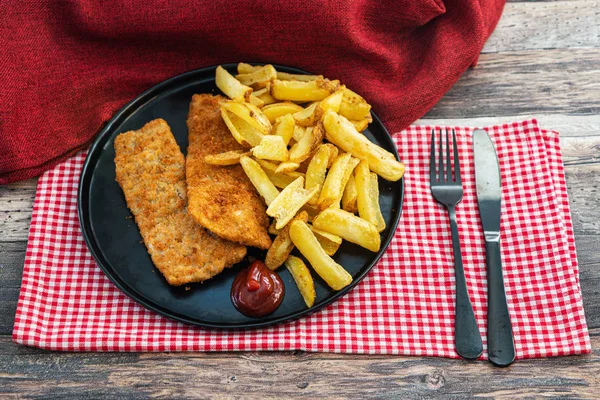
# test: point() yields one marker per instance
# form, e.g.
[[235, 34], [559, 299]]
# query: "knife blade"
[[500, 341]]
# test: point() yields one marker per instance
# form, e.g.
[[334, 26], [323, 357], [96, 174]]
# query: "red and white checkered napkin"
[[404, 306]]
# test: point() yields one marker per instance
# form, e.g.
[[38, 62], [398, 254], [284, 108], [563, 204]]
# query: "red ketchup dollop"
[[257, 291]]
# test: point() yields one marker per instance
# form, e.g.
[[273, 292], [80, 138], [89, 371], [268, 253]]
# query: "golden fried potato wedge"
[[282, 245], [306, 242], [317, 170], [232, 88], [250, 114], [299, 131], [272, 229], [303, 279], [280, 180], [354, 107], [242, 132], [333, 182], [259, 179], [276, 110], [285, 206], [343, 134], [284, 127], [349, 227], [328, 241], [227, 158], [258, 78], [244, 68], [255, 101], [360, 125], [307, 144], [349, 196], [303, 91], [367, 200], [271, 147], [264, 96], [284, 76], [287, 166], [332, 102], [309, 116]]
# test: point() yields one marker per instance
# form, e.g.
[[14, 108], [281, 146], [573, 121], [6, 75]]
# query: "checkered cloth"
[[404, 306]]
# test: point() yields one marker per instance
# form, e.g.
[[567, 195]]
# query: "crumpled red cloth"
[[67, 66]]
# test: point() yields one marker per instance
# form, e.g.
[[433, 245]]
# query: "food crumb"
[[187, 288]]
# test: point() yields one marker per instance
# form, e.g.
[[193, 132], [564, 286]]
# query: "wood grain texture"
[[287, 374], [546, 25], [561, 81]]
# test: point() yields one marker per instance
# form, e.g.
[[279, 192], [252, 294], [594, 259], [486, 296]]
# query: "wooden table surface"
[[543, 60]]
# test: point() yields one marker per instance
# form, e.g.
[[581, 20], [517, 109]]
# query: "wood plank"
[[36, 373], [546, 25], [524, 83], [16, 203]]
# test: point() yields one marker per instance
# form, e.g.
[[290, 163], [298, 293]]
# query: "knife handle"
[[467, 338], [500, 342]]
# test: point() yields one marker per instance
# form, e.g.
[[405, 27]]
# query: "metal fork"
[[449, 192]]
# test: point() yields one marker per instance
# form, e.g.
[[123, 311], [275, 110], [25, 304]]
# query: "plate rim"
[[86, 230]]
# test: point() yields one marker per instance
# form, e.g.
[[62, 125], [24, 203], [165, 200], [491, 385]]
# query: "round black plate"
[[115, 242]]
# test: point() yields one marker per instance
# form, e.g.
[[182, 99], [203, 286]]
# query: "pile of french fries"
[[308, 159]]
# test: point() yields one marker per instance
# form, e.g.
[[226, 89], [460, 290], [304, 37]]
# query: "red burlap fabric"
[[67, 66]]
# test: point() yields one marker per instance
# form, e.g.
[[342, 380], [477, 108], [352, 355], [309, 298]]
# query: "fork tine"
[[441, 156], [448, 161], [456, 160], [432, 177]]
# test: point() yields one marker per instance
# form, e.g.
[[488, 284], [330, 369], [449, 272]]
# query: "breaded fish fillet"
[[151, 171], [221, 199]]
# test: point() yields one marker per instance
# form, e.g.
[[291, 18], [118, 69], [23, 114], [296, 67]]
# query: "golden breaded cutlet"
[[221, 198], [151, 171]]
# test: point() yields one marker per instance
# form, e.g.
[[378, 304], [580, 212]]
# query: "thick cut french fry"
[[332, 102], [328, 241], [306, 242], [253, 137], [309, 116], [303, 279], [360, 125], [250, 114], [284, 127], [317, 170], [367, 196], [281, 180], [227, 158], [259, 179], [303, 91], [276, 110], [287, 166], [299, 131], [272, 229], [282, 245], [258, 78], [271, 147], [304, 148], [349, 196], [264, 96], [347, 174], [284, 76], [232, 88], [343, 134], [244, 68], [349, 227], [256, 101], [374, 193], [333, 182], [285, 206], [354, 106]]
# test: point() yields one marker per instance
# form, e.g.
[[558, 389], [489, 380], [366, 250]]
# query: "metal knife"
[[500, 342]]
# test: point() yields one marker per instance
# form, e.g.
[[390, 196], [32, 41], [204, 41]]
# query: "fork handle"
[[466, 332], [500, 342]]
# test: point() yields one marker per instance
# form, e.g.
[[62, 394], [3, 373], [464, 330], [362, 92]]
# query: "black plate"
[[115, 242]]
